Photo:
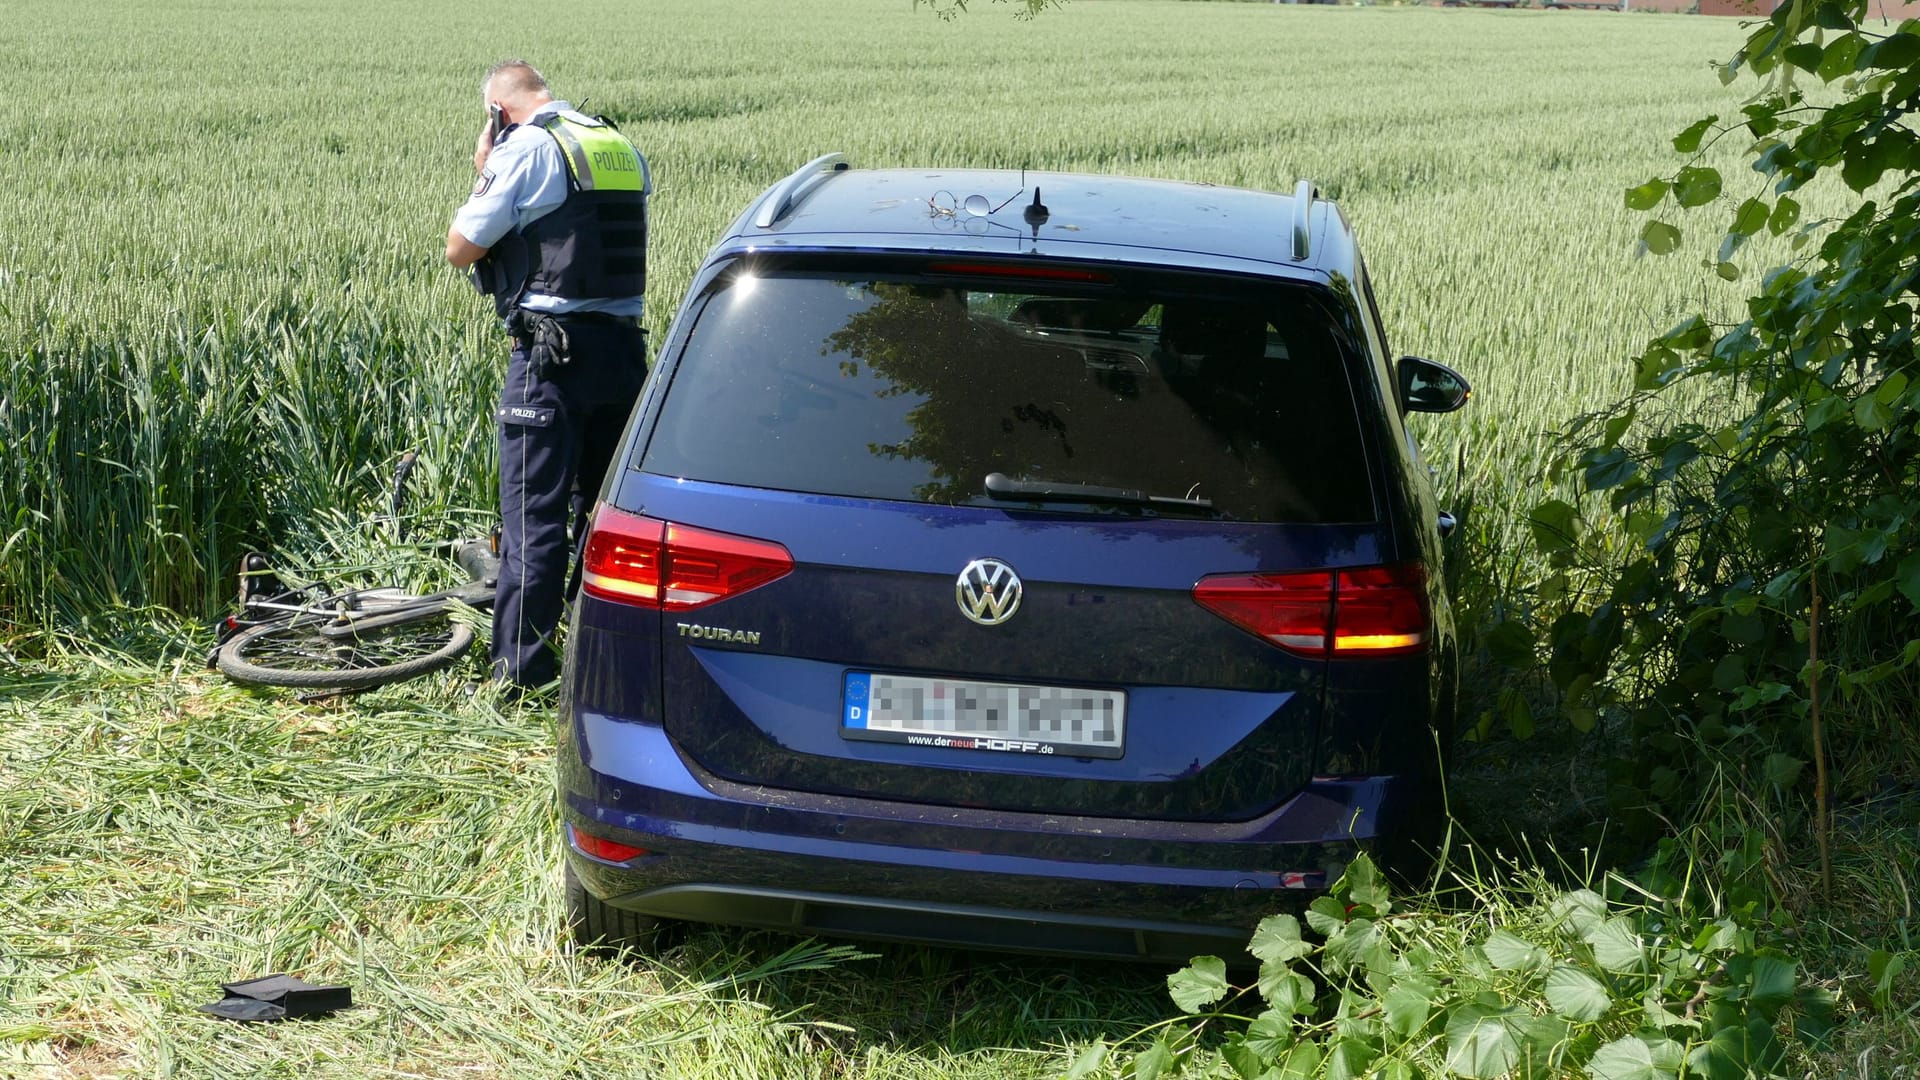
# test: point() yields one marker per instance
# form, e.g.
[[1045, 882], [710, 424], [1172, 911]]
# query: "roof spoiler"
[[1303, 195], [788, 193]]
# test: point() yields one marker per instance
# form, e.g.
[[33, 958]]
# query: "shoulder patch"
[[481, 185]]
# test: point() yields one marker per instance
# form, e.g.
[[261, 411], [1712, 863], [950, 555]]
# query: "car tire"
[[602, 929]]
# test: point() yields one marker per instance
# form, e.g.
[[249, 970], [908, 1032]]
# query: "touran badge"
[[988, 592]]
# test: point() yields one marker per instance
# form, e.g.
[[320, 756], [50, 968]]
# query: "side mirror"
[[1426, 386]]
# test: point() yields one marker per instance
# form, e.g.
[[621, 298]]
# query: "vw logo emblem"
[[988, 592]]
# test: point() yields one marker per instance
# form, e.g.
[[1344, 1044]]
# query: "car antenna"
[[1035, 214]]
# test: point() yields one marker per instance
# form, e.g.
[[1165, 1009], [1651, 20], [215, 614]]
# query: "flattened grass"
[[162, 832]]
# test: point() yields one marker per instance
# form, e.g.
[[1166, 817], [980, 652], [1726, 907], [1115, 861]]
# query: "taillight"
[[1369, 611], [659, 564], [602, 848], [1294, 611], [1380, 611]]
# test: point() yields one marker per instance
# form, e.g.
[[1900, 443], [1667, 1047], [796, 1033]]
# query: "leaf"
[[1646, 196], [1516, 712], [1805, 55], [1696, 185], [1326, 916], [1815, 1005], [1660, 237], [1153, 1062], [1891, 388], [1617, 426], [1615, 945], [1786, 212], [1783, 770], [1358, 945], [1751, 217], [1829, 15], [1277, 939], [1348, 1059], [1395, 1070], [1865, 160], [1772, 983], [1089, 1061], [1286, 991], [1303, 1062], [1408, 1004], [1510, 644], [1579, 911], [1509, 952], [1869, 414], [1199, 984], [1577, 995], [1655, 367], [1725, 1056], [1908, 574], [1840, 58], [1884, 967], [1545, 1046], [1730, 673], [1480, 1043], [1654, 1013], [1893, 51], [1688, 141], [1627, 1058], [1727, 271], [1826, 411], [1607, 468], [1364, 886], [1554, 524], [1270, 1033], [1246, 1062]]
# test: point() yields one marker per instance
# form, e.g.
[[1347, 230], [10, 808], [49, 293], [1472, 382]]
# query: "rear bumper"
[[899, 908], [736, 854]]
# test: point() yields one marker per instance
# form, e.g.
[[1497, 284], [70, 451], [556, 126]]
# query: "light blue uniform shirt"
[[526, 178]]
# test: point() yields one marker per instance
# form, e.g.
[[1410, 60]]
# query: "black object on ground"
[[277, 997]]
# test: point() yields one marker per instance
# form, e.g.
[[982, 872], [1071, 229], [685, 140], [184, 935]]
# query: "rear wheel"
[[298, 654], [599, 927]]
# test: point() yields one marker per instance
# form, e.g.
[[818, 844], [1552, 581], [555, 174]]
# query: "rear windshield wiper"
[[1002, 486]]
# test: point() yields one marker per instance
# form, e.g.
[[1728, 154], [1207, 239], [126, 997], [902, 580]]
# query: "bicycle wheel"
[[297, 654]]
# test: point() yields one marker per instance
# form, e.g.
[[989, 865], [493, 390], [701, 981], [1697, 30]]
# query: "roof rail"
[[796, 187], [1303, 195]]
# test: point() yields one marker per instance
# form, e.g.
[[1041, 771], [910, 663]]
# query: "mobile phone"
[[496, 120]]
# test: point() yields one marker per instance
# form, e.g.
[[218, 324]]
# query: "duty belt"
[[544, 337]]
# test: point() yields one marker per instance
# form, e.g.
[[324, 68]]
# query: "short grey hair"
[[515, 76]]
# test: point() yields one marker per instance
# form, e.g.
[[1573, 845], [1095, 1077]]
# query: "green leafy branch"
[[1727, 577], [1567, 984]]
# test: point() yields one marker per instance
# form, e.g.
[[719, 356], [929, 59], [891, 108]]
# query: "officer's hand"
[[483, 147]]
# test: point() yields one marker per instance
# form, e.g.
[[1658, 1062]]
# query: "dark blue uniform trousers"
[[559, 429]]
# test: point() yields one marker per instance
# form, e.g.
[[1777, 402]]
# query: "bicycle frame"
[[342, 615]]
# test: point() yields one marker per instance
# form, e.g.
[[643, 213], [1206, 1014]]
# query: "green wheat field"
[[224, 313]]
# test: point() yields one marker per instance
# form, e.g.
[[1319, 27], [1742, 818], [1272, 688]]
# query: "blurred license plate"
[[1002, 717]]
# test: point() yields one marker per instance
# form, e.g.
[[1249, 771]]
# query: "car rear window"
[[892, 387]]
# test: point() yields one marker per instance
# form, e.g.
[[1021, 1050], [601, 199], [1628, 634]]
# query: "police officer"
[[555, 231]]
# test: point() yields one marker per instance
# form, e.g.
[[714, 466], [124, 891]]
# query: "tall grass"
[[222, 308]]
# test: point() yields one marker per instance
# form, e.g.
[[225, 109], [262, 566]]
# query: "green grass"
[[162, 832], [223, 307], [179, 832], [223, 313]]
